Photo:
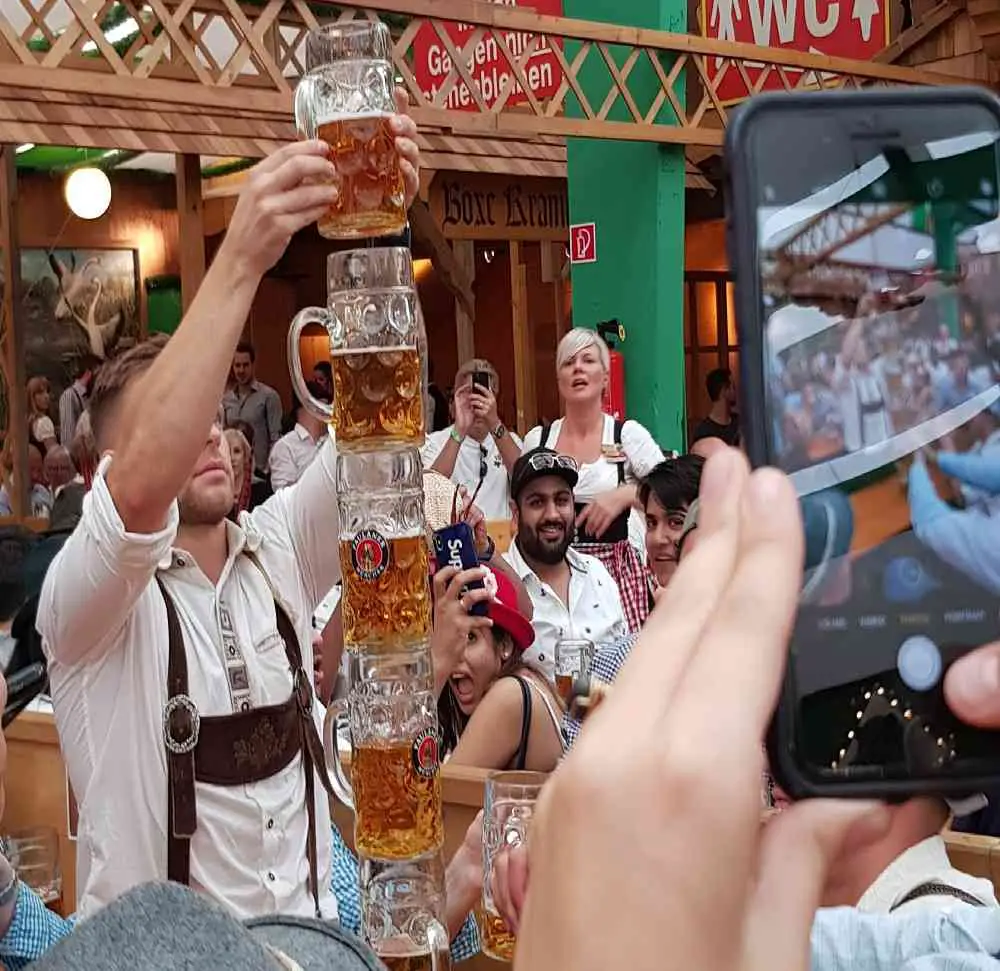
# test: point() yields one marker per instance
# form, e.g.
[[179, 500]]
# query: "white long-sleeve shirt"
[[104, 629]]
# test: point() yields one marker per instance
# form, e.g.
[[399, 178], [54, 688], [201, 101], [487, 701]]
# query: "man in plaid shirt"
[[668, 496]]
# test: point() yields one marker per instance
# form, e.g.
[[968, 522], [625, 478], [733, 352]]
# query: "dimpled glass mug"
[[508, 807], [383, 551], [377, 351], [395, 787], [346, 99], [403, 913]]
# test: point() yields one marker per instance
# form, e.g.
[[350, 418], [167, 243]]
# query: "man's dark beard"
[[534, 548]]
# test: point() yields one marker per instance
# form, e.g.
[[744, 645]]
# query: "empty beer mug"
[[386, 602], [346, 98], [376, 334], [573, 659], [395, 786], [508, 806], [403, 915]]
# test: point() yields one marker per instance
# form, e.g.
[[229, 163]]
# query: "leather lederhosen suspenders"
[[232, 750]]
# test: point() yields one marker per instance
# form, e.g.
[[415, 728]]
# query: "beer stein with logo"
[[508, 806], [346, 99], [573, 660], [376, 336], [403, 913], [395, 786], [386, 603]]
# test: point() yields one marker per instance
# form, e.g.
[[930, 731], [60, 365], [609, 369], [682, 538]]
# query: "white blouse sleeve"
[[642, 452]]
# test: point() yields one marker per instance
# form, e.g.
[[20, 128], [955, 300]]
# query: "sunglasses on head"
[[545, 461]]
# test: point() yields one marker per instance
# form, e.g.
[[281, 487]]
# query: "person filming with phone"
[[478, 450]]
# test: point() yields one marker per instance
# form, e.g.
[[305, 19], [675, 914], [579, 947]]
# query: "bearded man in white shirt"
[[157, 596], [572, 594]]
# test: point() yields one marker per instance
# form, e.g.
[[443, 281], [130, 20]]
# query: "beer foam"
[[351, 116], [389, 349]]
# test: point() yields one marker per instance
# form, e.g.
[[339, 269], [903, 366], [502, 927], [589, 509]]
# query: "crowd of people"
[[202, 548], [856, 383]]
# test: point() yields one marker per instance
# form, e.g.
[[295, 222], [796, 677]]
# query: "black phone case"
[[741, 246]]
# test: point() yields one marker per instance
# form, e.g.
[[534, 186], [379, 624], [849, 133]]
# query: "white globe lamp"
[[88, 192]]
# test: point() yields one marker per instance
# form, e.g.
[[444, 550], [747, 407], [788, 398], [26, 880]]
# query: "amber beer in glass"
[[403, 913], [508, 807], [573, 659], [377, 351], [346, 99], [395, 785], [386, 604]]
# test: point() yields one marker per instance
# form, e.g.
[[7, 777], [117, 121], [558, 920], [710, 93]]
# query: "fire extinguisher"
[[613, 332]]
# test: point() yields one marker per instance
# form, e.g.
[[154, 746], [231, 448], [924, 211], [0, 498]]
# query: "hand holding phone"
[[865, 335], [455, 546]]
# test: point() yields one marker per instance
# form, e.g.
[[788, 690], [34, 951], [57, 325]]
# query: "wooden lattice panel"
[[217, 76]]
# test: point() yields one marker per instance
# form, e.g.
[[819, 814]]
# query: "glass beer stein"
[[376, 336], [402, 913], [573, 659], [395, 785], [508, 805], [346, 99], [386, 603]]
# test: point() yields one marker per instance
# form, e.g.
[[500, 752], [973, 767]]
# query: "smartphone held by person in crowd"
[[868, 263]]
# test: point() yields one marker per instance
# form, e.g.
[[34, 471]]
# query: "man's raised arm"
[[165, 422]]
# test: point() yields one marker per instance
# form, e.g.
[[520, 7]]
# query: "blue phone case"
[[455, 546]]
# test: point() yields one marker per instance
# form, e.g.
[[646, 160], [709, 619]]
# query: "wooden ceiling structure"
[[167, 89]]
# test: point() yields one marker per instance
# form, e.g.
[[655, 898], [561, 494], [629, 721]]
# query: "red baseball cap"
[[502, 610]]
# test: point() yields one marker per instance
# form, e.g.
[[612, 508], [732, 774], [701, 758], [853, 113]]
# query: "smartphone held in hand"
[[455, 545], [868, 281]]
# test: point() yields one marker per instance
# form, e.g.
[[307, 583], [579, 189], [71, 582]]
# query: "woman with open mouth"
[[612, 455]]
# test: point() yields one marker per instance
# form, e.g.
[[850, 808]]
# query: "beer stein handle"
[[331, 746], [439, 946], [305, 112], [311, 315]]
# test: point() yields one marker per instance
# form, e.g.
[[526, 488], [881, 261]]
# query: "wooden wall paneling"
[[524, 345], [16, 432], [465, 323], [191, 226]]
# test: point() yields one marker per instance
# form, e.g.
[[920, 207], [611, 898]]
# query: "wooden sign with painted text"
[[496, 207]]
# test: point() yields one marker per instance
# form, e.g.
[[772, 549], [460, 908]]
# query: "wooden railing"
[[216, 76]]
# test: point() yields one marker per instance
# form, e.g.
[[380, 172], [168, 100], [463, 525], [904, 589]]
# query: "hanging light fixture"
[[88, 192]]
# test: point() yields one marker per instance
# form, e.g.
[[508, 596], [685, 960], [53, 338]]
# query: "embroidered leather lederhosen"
[[233, 750]]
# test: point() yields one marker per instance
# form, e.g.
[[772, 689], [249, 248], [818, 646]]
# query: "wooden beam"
[[465, 323], [453, 275], [524, 344], [16, 432], [942, 14], [190, 213]]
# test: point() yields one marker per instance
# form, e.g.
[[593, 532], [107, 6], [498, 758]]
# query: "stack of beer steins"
[[377, 353], [393, 783]]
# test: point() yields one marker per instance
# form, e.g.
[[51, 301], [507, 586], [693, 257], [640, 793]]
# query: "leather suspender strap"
[[181, 726]]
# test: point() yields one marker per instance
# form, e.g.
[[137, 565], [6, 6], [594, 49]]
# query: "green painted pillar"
[[634, 192]]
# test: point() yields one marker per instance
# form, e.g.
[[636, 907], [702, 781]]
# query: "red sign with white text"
[[583, 243], [486, 62], [856, 29]]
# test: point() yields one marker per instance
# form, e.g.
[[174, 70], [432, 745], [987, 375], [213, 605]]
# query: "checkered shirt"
[[35, 928], [622, 561], [604, 667]]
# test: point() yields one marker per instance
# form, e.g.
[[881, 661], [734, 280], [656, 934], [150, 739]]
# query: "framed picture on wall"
[[77, 304]]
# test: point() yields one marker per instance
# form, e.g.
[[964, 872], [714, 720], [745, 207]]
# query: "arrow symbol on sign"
[[864, 13]]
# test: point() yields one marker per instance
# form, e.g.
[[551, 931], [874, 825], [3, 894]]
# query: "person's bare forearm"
[[163, 428], [509, 451], [445, 462], [462, 892]]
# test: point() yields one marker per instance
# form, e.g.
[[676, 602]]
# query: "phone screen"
[[481, 379], [879, 273]]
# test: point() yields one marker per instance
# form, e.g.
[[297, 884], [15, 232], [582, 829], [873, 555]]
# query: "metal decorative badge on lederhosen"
[[248, 746]]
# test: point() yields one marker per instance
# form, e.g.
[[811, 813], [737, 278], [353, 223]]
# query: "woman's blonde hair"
[[579, 339], [36, 385]]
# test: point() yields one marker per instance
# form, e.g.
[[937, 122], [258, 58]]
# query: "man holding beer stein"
[[179, 643]]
